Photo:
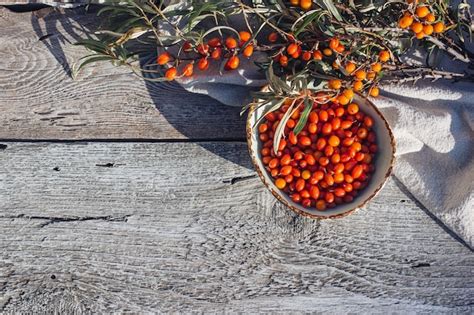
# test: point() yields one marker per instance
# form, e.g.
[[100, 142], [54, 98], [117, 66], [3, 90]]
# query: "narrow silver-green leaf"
[[304, 116]]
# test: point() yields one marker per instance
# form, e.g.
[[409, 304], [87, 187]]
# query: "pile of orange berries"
[[213, 49], [328, 162], [422, 22]]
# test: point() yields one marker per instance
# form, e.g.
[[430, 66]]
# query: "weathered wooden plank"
[[147, 227], [40, 100]]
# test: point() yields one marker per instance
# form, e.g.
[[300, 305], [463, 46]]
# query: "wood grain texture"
[[40, 100], [175, 227]]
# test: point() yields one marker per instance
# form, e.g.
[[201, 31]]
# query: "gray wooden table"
[[117, 195]]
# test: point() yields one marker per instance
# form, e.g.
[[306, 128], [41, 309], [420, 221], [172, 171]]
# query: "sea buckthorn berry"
[[266, 159], [292, 138], [245, 36], [323, 115], [170, 74], [405, 22], [317, 55], [339, 112], [300, 184], [335, 84], [327, 52], [323, 161], [280, 183], [334, 43], [353, 108], [338, 178], [203, 49], [285, 159], [343, 100], [314, 192], [320, 144], [216, 53], [417, 27], [306, 4], [306, 174], [273, 163], [274, 172], [335, 158], [214, 42], [310, 159], [428, 29], [304, 141], [334, 141], [420, 35], [292, 48], [357, 171], [358, 85], [306, 203], [265, 151], [384, 56], [296, 197], [348, 93], [233, 63], [187, 47], [295, 2], [376, 67], [248, 51], [374, 91], [438, 27], [312, 128], [422, 11], [328, 151], [329, 179], [327, 128], [321, 205], [306, 56], [360, 74], [336, 123], [286, 170], [263, 128], [230, 43], [371, 75], [340, 49], [203, 64], [188, 70], [273, 37], [430, 18], [283, 61], [163, 59], [282, 145], [305, 193], [291, 123], [350, 67]]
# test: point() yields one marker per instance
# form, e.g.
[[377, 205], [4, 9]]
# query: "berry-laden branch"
[[334, 47]]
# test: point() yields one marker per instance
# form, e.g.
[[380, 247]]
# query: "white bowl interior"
[[383, 161]]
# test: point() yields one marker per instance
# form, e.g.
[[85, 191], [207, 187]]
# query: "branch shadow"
[[199, 118]]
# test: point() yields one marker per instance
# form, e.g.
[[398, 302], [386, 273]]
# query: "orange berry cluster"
[[303, 4], [328, 162], [214, 49], [422, 23], [362, 75], [295, 51]]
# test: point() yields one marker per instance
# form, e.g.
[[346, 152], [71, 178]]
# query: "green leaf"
[[304, 116], [281, 127], [332, 8], [87, 60]]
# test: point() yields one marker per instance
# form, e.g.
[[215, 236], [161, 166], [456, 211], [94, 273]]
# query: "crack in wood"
[[52, 220], [237, 179]]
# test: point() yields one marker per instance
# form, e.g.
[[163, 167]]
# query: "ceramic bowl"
[[383, 164]]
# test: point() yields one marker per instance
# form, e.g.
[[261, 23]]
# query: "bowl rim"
[[254, 156]]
